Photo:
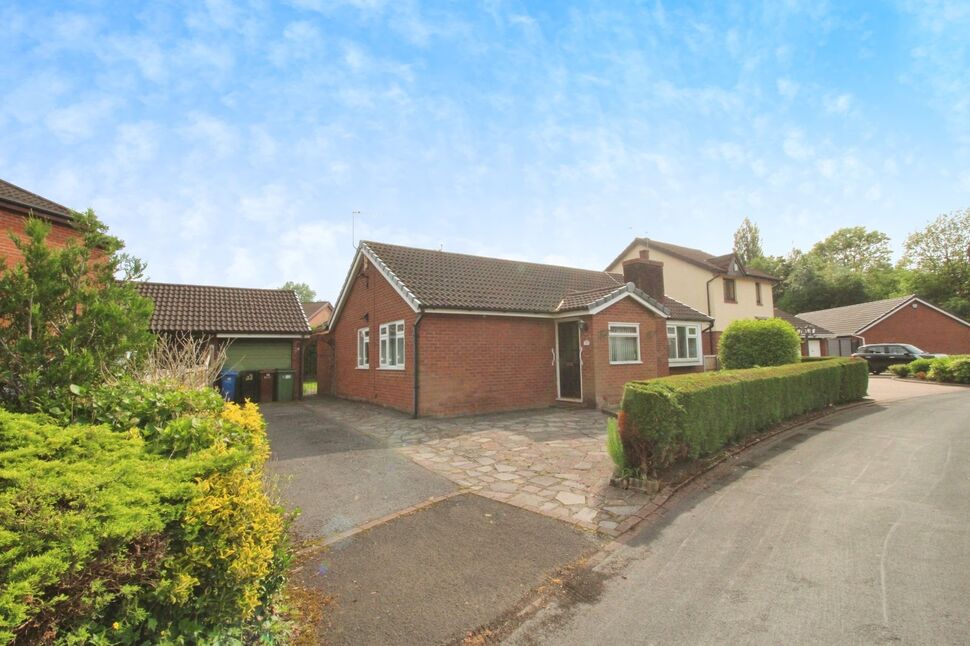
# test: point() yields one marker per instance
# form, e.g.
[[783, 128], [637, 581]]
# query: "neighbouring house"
[[440, 333], [719, 286], [16, 205], [318, 313], [261, 329], [814, 337], [907, 319]]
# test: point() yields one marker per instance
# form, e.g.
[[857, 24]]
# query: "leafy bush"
[[748, 343], [955, 369], [688, 416], [900, 369], [920, 365], [147, 531]]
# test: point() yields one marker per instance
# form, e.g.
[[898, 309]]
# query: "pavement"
[[431, 576], [851, 529]]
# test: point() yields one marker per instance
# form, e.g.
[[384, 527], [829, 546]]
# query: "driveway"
[[338, 478], [854, 529]]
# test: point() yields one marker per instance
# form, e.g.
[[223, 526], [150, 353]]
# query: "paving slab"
[[430, 576]]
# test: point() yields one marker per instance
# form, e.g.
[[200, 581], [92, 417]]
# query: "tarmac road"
[[853, 530]]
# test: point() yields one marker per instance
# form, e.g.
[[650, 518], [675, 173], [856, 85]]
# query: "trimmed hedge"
[[749, 343], [689, 416], [151, 528]]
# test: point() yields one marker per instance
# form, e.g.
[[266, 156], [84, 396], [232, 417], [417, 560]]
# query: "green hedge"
[[749, 343], [688, 416], [152, 528]]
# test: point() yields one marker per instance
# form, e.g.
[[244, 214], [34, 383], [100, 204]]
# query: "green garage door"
[[258, 354]]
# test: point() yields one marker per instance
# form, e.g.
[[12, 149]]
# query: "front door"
[[814, 348], [570, 370]]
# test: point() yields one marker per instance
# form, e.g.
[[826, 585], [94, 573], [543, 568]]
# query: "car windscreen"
[[912, 349]]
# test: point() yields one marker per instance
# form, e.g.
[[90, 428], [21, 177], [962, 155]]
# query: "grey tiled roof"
[[800, 323], [681, 312], [849, 319], [224, 310], [13, 194]]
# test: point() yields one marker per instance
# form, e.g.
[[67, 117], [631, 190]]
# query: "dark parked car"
[[882, 355]]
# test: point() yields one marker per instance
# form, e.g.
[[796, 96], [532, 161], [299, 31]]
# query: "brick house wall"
[[13, 223], [479, 364], [608, 379], [324, 365], [372, 296], [923, 327]]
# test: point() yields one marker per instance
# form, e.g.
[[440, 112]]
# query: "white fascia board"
[[628, 294], [907, 303], [261, 336], [363, 252]]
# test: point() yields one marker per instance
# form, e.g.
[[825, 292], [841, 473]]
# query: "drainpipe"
[[710, 334], [417, 374]]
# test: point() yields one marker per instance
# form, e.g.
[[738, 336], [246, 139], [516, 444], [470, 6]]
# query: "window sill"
[[733, 302], [392, 368], [363, 367], [683, 363], [625, 363]]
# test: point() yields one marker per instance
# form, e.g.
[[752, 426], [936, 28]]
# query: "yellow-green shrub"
[[129, 536], [688, 416]]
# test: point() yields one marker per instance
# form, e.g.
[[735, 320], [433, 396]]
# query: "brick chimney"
[[646, 274]]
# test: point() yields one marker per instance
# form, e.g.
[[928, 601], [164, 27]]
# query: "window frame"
[[363, 333], [733, 298], [610, 334], [385, 336], [687, 361], [757, 293]]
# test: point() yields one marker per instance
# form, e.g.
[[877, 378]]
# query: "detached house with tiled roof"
[[16, 205], [905, 319], [439, 333], [721, 287]]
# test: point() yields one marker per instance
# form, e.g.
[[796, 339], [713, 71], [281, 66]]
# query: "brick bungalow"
[[262, 329], [16, 205], [318, 313], [440, 333], [814, 337], [907, 319]]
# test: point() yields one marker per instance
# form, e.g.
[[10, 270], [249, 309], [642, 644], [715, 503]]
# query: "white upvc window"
[[624, 343], [684, 344], [392, 345], [363, 348]]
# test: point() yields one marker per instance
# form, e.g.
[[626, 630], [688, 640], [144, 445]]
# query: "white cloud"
[[787, 88], [795, 146], [79, 121], [840, 104], [214, 135], [269, 204]]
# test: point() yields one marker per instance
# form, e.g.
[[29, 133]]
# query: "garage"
[[263, 333]]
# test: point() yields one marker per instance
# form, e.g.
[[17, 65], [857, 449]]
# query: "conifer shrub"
[[150, 527]]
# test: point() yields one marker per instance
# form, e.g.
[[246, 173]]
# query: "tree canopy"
[[69, 316], [303, 291], [747, 241]]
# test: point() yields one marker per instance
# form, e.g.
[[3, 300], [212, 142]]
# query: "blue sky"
[[229, 141]]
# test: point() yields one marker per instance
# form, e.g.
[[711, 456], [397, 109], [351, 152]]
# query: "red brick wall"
[[608, 380], [923, 327], [372, 295], [11, 222], [478, 364]]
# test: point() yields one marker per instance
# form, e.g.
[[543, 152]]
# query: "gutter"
[[417, 373], [707, 291]]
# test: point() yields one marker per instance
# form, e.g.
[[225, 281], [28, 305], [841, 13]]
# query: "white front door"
[[814, 348]]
